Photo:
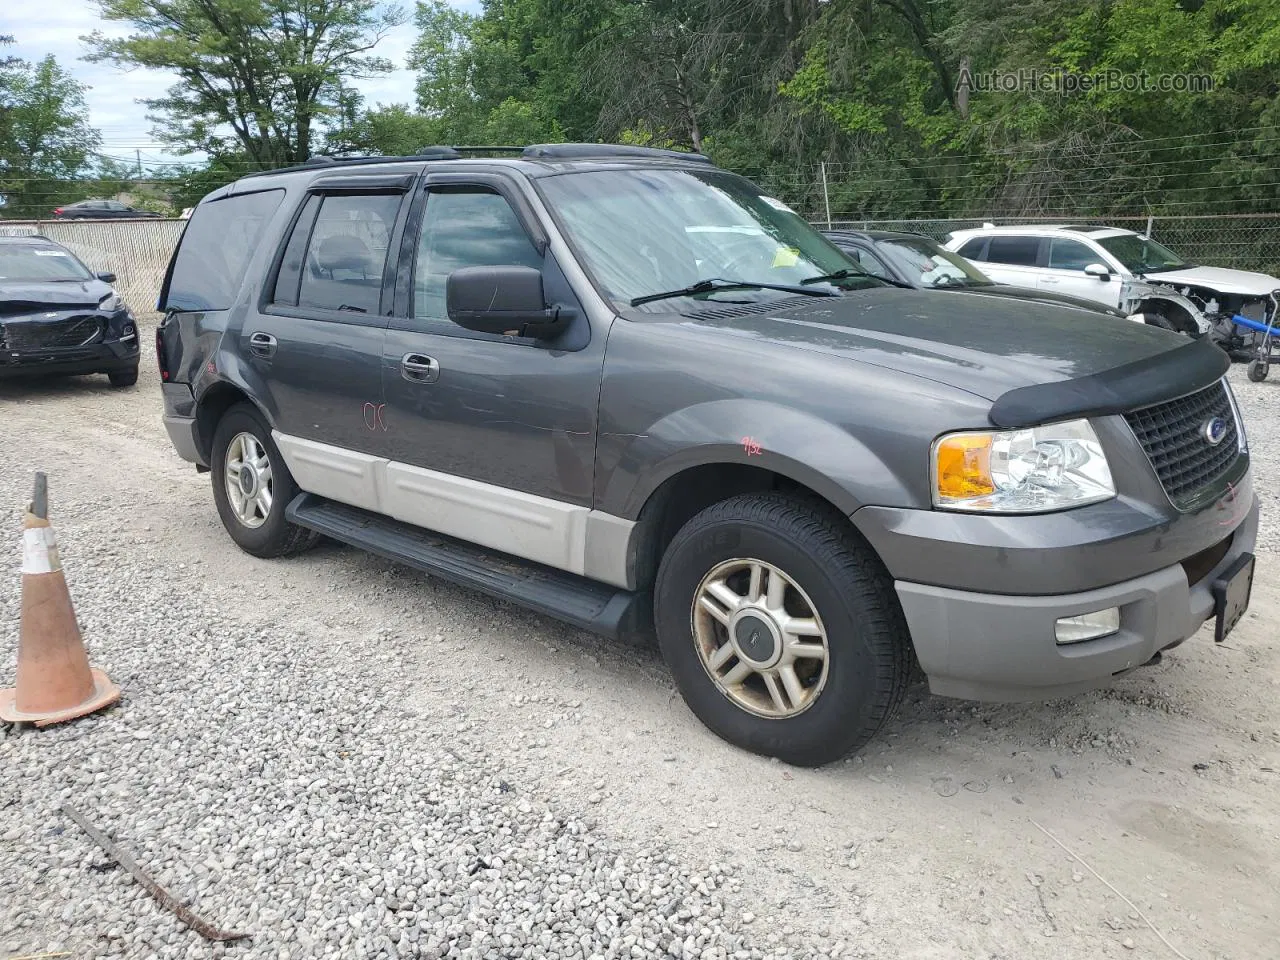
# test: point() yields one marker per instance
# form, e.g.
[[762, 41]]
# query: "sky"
[[56, 26]]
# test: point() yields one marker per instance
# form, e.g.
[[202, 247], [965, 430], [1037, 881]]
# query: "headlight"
[[1021, 471], [110, 303]]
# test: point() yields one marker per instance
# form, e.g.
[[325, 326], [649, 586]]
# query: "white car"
[[1122, 269]]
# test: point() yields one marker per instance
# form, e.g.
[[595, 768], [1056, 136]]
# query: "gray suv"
[[626, 389]]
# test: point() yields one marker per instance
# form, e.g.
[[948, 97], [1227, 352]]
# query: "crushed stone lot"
[[342, 757]]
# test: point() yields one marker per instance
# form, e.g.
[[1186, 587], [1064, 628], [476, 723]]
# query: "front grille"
[[1173, 434], [50, 334]]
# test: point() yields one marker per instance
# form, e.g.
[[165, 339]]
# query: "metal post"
[[826, 196], [1150, 224]]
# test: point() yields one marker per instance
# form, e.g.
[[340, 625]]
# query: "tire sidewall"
[[830, 726], [266, 538]]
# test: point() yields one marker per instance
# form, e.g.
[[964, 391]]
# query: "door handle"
[[1048, 279], [419, 368], [263, 345]]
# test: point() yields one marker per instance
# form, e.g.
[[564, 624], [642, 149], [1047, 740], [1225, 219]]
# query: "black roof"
[[874, 235], [544, 152]]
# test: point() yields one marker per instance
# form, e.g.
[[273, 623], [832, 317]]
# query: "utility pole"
[[138, 155]]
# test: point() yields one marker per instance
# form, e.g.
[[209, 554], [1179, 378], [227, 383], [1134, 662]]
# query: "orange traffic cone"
[[55, 681]]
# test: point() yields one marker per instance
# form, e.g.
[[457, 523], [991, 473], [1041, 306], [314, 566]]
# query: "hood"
[[982, 345], [1221, 279], [16, 296], [1038, 296]]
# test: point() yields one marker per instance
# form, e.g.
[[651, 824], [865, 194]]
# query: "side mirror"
[[502, 300], [1098, 270], [107, 277]]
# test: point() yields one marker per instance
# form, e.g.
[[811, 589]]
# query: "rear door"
[[1012, 258], [316, 340], [1065, 261]]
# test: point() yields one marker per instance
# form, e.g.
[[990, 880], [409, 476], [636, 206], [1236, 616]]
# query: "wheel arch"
[[214, 401], [689, 491]]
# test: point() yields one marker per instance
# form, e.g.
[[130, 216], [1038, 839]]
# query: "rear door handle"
[[419, 368], [263, 345], [1048, 279]]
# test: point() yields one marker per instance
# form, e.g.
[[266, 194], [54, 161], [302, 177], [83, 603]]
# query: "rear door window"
[[1015, 251], [221, 238], [346, 253]]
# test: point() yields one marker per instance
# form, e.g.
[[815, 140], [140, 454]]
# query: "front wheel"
[[1258, 370], [781, 629], [252, 486], [123, 378]]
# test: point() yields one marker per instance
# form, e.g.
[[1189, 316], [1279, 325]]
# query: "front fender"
[[804, 448]]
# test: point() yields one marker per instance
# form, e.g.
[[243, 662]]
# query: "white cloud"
[[56, 26]]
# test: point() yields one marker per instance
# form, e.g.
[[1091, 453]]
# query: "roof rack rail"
[[604, 151]]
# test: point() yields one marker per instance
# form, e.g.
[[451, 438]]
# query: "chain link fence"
[[1242, 241], [136, 251]]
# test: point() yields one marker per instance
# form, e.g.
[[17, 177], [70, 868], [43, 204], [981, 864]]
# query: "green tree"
[[257, 77], [46, 142]]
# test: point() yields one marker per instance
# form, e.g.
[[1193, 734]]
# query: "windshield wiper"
[[715, 284], [854, 275]]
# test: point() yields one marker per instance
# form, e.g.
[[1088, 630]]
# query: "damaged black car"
[[58, 318]]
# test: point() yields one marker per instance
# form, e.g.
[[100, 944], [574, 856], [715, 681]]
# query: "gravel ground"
[[344, 758]]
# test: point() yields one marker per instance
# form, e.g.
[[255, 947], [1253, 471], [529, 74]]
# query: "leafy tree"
[[45, 137], [258, 77]]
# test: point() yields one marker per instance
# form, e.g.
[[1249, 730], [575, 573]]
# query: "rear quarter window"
[[974, 249], [220, 240]]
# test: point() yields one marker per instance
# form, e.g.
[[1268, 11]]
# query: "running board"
[[595, 607]]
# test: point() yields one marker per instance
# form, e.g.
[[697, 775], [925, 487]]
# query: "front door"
[[492, 437], [1064, 272], [317, 343]]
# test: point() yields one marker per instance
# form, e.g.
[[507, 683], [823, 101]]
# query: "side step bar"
[[595, 607]]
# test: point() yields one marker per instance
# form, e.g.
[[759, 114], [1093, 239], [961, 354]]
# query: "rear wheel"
[[781, 629], [1258, 370], [252, 486]]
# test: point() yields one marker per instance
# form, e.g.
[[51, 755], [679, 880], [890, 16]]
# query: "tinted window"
[[347, 252], [973, 249], [295, 255], [1017, 251], [1070, 255], [115, 205], [23, 262], [466, 228], [216, 247], [927, 264], [867, 261]]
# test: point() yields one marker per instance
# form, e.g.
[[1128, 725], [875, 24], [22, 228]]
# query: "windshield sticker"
[[777, 204], [50, 253], [786, 257]]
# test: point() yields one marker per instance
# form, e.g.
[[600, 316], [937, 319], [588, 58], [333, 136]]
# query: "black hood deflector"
[[1121, 389]]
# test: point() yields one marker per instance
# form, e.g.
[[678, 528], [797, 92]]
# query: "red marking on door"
[[751, 446], [378, 417], [369, 412]]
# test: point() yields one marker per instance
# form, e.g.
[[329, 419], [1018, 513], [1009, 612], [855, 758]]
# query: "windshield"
[[641, 232], [927, 264], [1140, 255], [35, 263]]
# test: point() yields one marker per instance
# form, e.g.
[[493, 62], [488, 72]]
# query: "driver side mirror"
[[107, 276], [1098, 270], [503, 300]]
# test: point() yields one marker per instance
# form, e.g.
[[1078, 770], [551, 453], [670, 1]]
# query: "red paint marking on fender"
[[751, 446]]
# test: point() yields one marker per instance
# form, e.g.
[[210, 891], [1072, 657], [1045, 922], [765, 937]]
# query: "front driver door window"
[[1064, 272]]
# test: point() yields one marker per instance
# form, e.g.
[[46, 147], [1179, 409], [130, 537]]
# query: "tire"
[[266, 533], [861, 682], [124, 378], [1258, 370]]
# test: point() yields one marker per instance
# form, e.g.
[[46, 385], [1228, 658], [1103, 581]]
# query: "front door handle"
[[419, 368], [1049, 279], [263, 345]]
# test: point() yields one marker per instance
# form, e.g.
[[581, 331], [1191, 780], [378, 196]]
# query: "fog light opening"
[[1088, 626]]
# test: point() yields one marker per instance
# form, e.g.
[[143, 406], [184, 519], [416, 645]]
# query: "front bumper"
[[105, 357], [984, 646]]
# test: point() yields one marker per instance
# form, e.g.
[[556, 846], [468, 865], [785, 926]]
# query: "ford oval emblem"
[[1214, 430]]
